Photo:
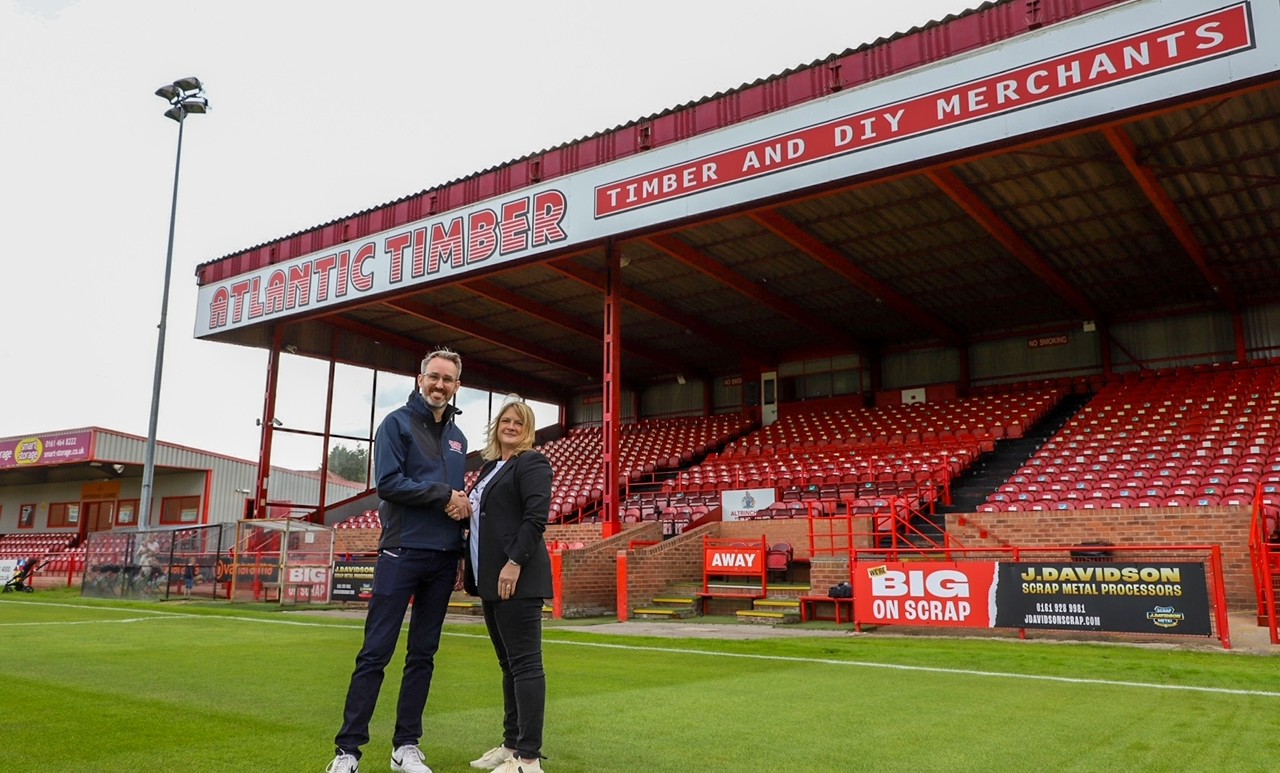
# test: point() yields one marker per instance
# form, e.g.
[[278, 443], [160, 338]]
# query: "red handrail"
[[1264, 565]]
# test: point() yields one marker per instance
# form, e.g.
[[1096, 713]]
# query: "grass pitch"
[[102, 687]]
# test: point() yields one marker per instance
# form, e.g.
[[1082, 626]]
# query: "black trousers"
[[426, 576], [515, 628]]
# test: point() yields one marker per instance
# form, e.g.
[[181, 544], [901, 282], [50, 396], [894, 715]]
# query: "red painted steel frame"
[[557, 583], [622, 602], [612, 391], [1265, 562], [268, 424]]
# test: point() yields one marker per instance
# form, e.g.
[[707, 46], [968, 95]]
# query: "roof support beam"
[[499, 294], [805, 242], [508, 379], [696, 259], [992, 223], [656, 308], [486, 333], [1146, 179]]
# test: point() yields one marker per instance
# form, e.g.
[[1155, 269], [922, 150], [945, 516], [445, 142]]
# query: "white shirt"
[[477, 493]]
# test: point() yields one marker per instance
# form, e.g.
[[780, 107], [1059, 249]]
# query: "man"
[[419, 457]]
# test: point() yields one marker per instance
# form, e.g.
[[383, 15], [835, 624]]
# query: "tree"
[[349, 463]]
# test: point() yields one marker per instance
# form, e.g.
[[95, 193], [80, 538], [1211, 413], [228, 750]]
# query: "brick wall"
[[792, 530], [652, 570], [355, 541], [825, 571], [1225, 526], [589, 576]]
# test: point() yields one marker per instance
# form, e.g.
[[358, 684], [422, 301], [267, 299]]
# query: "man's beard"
[[434, 401]]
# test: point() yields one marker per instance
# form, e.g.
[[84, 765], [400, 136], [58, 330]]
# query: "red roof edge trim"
[[988, 23]]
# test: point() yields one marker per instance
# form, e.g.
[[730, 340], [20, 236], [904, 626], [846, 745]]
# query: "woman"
[[509, 569]]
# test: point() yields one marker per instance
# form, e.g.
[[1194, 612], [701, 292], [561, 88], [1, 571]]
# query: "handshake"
[[458, 507]]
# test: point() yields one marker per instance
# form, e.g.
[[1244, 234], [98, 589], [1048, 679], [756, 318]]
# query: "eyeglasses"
[[434, 377]]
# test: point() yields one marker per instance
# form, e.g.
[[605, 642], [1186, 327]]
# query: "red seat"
[[778, 559]]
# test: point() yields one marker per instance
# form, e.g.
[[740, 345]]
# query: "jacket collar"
[[418, 404], [503, 471]]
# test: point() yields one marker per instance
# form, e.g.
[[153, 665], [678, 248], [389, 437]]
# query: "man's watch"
[[513, 562]]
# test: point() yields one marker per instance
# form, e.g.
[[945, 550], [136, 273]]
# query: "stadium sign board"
[[1115, 60]]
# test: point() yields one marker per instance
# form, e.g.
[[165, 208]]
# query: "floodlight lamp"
[[189, 84], [168, 93], [119, 468], [195, 105], [177, 113]]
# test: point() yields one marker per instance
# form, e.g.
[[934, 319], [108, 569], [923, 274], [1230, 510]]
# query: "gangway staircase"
[[890, 532]]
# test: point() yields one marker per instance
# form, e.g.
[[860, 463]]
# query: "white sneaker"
[[493, 758], [409, 759], [516, 765], [344, 763]]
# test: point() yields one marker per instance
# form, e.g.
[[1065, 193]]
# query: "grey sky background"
[[320, 109]]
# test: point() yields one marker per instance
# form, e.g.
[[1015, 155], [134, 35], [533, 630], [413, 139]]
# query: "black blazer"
[[513, 517]]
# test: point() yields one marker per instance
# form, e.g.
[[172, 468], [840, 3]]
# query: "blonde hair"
[[493, 448]]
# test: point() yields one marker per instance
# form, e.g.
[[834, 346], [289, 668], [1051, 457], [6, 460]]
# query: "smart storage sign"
[[1099, 64]]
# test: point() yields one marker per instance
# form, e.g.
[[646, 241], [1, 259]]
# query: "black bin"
[[1092, 551]]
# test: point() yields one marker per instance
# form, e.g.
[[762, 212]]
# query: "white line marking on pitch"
[[924, 669], [685, 651]]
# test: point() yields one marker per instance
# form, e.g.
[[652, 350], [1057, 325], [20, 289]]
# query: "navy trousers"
[[426, 576], [515, 628]]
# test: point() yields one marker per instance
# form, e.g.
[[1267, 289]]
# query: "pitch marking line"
[[157, 614], [922, 669]]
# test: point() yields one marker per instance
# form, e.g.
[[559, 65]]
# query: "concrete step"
[[674, 600], [780, 605], [471, 607], [767, 617], [662, 613]]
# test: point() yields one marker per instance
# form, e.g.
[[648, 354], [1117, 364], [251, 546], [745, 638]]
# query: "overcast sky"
[[320, 109]]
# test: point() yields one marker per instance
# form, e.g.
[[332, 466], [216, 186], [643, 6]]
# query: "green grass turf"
[[101, 687]]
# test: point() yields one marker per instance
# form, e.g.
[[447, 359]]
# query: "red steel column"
[[557, 583], [624, 607], [268, 425], [328, 427], [612, 380]]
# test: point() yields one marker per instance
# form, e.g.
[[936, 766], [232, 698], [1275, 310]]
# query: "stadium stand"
[[1197, 436], [824, 459], [13, 546], [647, 448]]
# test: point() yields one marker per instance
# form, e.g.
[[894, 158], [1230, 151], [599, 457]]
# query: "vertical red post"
[[268, 414], [257, 578], [1219, 597], [557, 584], [623, 604], [612, 385], [328, 429]]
